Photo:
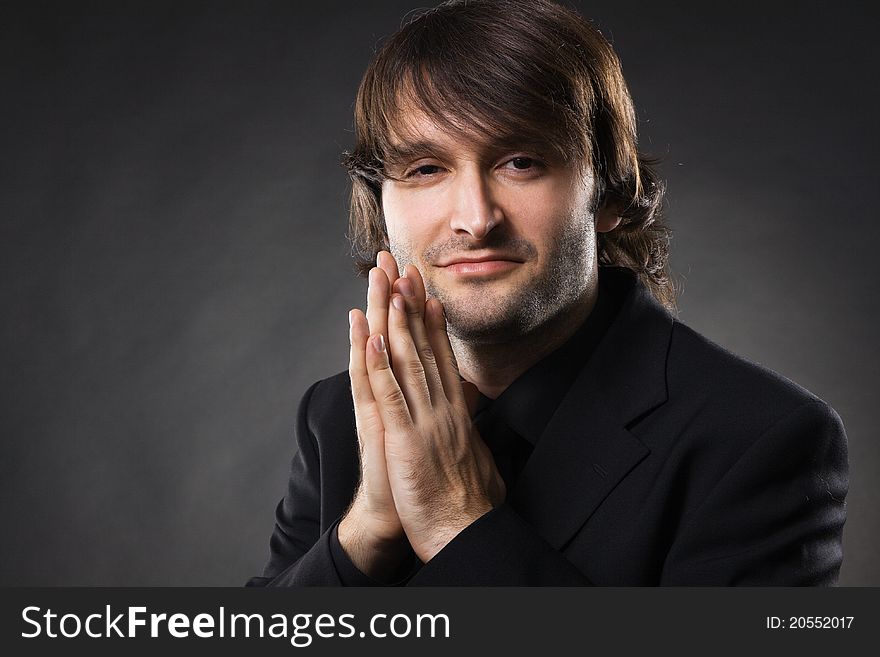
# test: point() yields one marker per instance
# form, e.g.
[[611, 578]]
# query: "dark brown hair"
[[513, 69]]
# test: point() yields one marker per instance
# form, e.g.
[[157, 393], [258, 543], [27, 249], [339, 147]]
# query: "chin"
[[479, 322]]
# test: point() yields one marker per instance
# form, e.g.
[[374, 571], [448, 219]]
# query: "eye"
[[523, 163], [423, 171]]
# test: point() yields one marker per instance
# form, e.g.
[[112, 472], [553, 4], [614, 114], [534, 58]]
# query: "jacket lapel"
[[587, 449]]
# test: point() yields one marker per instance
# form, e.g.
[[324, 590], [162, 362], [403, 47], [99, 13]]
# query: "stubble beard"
[[488, 314]]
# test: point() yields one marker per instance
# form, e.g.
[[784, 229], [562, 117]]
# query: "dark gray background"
[[175, 272]]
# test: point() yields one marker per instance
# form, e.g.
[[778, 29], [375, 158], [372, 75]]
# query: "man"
[[521, 408]]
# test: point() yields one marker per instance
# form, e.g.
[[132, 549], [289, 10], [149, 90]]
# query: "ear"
[[608, 216]]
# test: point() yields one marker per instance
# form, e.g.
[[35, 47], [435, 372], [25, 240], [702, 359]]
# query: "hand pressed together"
[[425, 472]]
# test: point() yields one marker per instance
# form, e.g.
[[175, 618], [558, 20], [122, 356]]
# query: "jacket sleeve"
[[499, 549], [776, 516], [299, 553]]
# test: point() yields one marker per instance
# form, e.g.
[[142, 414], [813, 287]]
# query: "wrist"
[[382, 559], [447, 529]]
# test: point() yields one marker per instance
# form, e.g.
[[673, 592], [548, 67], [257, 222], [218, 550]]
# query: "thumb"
[[471, 396]]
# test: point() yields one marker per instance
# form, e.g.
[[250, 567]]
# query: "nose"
[[475, 212]]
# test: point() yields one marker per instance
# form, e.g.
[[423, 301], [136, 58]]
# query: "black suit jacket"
[[669, 462]]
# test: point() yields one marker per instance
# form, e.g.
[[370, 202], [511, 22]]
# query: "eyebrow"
[[399, 154], [404, 152]]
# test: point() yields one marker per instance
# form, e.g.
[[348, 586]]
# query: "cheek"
[[393, 211], [547, 213], [409, 218]]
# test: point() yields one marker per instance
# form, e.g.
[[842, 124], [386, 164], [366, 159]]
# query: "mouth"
[[480, 264]]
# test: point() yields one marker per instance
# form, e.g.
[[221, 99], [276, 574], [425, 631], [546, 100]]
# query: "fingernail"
[[350, 318], [379, 343], [406, 288], [378, 254], [398, 302]]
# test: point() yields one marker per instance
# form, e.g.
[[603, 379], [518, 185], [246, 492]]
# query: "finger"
[[408, 368], [471, 396], [422, 336], [489, 475], [447, 366], [378, 296], [413, 292], [412, 272], [366, 412], [386, 262], [370, 429], [390, 400]]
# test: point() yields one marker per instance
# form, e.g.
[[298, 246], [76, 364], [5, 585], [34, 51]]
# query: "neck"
[[493, 366]]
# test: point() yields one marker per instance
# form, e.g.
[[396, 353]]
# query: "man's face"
[[504, 237]]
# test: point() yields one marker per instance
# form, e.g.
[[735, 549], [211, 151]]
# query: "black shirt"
[[512, 424]]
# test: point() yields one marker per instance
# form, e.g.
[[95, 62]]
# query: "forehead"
[[412, 125], [413, 133]]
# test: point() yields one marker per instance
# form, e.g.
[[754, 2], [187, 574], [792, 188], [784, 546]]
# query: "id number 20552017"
[[809, 622]]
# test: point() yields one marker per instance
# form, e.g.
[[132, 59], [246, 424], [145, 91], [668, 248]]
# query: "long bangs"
[[475, 81]]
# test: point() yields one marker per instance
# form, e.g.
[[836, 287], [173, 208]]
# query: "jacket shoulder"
[[710, 376]]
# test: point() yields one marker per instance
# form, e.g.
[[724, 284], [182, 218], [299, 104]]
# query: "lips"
[[481, 258], [480, 265]]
